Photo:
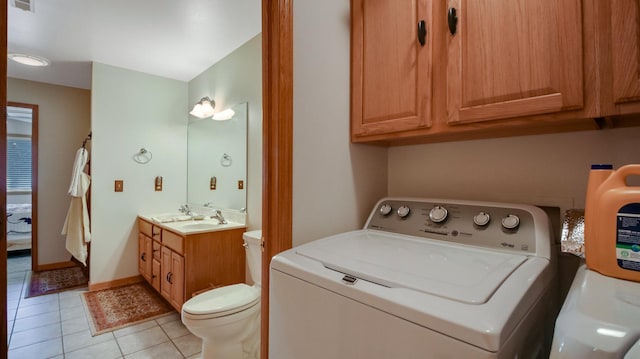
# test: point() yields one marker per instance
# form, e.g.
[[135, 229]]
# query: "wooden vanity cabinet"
[[181, 265]]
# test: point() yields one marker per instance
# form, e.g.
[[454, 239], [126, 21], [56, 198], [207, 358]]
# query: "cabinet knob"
[[452, 19], [422, 32], [169, 276], [143, 257]]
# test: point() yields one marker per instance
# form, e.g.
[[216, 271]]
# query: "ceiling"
[[168, 38]]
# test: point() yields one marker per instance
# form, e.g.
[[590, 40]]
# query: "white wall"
[[63, 122], [546, 170], [335, 183], [131, 110], [235, 79]]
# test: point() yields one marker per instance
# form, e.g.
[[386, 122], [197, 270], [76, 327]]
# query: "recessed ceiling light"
[[29, 60]]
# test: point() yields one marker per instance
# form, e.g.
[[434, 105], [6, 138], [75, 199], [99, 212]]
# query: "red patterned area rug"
[[119, 307], [55, 280]]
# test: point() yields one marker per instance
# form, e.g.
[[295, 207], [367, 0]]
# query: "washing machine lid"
[[461, 273], [222, 300]]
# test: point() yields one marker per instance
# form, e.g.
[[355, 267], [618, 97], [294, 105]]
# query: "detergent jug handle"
[[623, 172]]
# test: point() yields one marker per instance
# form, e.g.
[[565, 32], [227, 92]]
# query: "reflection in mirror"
[[217, 161]]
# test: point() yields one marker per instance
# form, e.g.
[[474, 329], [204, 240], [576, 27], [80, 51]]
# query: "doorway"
[[21, 183]]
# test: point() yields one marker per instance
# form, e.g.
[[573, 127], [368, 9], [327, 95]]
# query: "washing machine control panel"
[[492, 225]]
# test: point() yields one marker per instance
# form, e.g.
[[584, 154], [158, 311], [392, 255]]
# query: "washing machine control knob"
[[482, 219], [511, 221], [438, 214], [385, 209], [403, 211]]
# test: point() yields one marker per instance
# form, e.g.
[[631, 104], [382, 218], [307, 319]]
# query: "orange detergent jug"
[[612, 222]]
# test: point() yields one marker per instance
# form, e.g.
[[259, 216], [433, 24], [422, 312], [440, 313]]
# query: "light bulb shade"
[[29, 60], [224, 115], [204, 108]]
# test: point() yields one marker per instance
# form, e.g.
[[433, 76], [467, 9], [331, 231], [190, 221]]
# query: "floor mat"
[[55, 280], [118, 307]]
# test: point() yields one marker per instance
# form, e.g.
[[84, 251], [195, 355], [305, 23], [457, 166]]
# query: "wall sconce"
[[204, 108], [224, 115]]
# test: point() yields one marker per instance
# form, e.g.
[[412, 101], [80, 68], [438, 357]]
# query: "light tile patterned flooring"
[[56, 326]]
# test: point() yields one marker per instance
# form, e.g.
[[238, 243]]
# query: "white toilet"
[[228, 318]]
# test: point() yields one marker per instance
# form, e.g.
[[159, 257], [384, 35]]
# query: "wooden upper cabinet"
[[390, 69], [514, 58], [625, 50]]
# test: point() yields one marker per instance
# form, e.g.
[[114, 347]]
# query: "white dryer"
[[600, 319], [425, 278]]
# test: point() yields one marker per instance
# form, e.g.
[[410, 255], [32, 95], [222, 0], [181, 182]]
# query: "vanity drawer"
[[173, 241], [156, 250], [145, 228]]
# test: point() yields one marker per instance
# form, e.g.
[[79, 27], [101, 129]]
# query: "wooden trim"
[[58, 265], [34, 180], [277, 160], [116, 283], [3, 181]]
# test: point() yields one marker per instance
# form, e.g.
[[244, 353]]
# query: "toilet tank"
[[253, 245]]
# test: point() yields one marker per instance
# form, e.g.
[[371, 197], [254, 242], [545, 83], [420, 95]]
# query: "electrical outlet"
[[119, 186]]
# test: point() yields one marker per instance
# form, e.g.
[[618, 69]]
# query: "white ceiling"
[[178, 39]]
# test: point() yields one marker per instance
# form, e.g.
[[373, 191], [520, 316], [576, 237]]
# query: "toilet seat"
[[220, 302]]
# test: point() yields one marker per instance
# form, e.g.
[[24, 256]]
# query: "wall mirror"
[[217, 161]]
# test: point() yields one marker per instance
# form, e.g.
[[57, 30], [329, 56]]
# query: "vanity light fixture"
[[29, 60], [204, 108], [224, 115]]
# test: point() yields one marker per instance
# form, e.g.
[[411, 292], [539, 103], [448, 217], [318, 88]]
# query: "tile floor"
[[56, 326]]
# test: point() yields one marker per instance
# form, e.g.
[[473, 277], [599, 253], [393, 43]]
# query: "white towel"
[[77, 226], [75, 188]]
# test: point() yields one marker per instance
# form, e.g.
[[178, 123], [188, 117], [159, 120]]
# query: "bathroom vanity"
[[179, 260]]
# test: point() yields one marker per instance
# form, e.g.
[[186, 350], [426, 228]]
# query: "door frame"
[[3, 182], [277, 145], [34, 179]]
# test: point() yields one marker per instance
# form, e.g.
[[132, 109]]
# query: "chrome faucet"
[[184, 208], [208, 204], [219, 217]]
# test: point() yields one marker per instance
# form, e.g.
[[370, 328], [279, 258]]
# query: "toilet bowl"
[[227, 319]]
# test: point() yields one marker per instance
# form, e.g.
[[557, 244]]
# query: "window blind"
[[18, 164]]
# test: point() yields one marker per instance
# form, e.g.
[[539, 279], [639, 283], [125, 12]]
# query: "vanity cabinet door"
[[156, 274], [144, 256], [177, 285], [172, 280]]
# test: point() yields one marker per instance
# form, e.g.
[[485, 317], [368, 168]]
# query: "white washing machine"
[[425, 278], [600, 318]]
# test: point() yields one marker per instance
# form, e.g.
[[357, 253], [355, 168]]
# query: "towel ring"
[[226, 160], [143, 156]]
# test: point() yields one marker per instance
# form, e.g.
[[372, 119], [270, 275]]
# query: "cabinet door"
[[177, 280], [625, 50], [514, 58], [156, 274], [144, 256], [165, 280], [390, 69]]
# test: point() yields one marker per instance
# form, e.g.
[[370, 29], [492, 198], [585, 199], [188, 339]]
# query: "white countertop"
[[176, 223]]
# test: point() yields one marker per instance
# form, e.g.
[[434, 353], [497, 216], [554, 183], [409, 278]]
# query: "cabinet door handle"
[[452, 19], [422, 32], [144, 257], [169, 276]]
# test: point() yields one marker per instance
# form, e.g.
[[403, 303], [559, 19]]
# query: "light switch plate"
[[119, 186]]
